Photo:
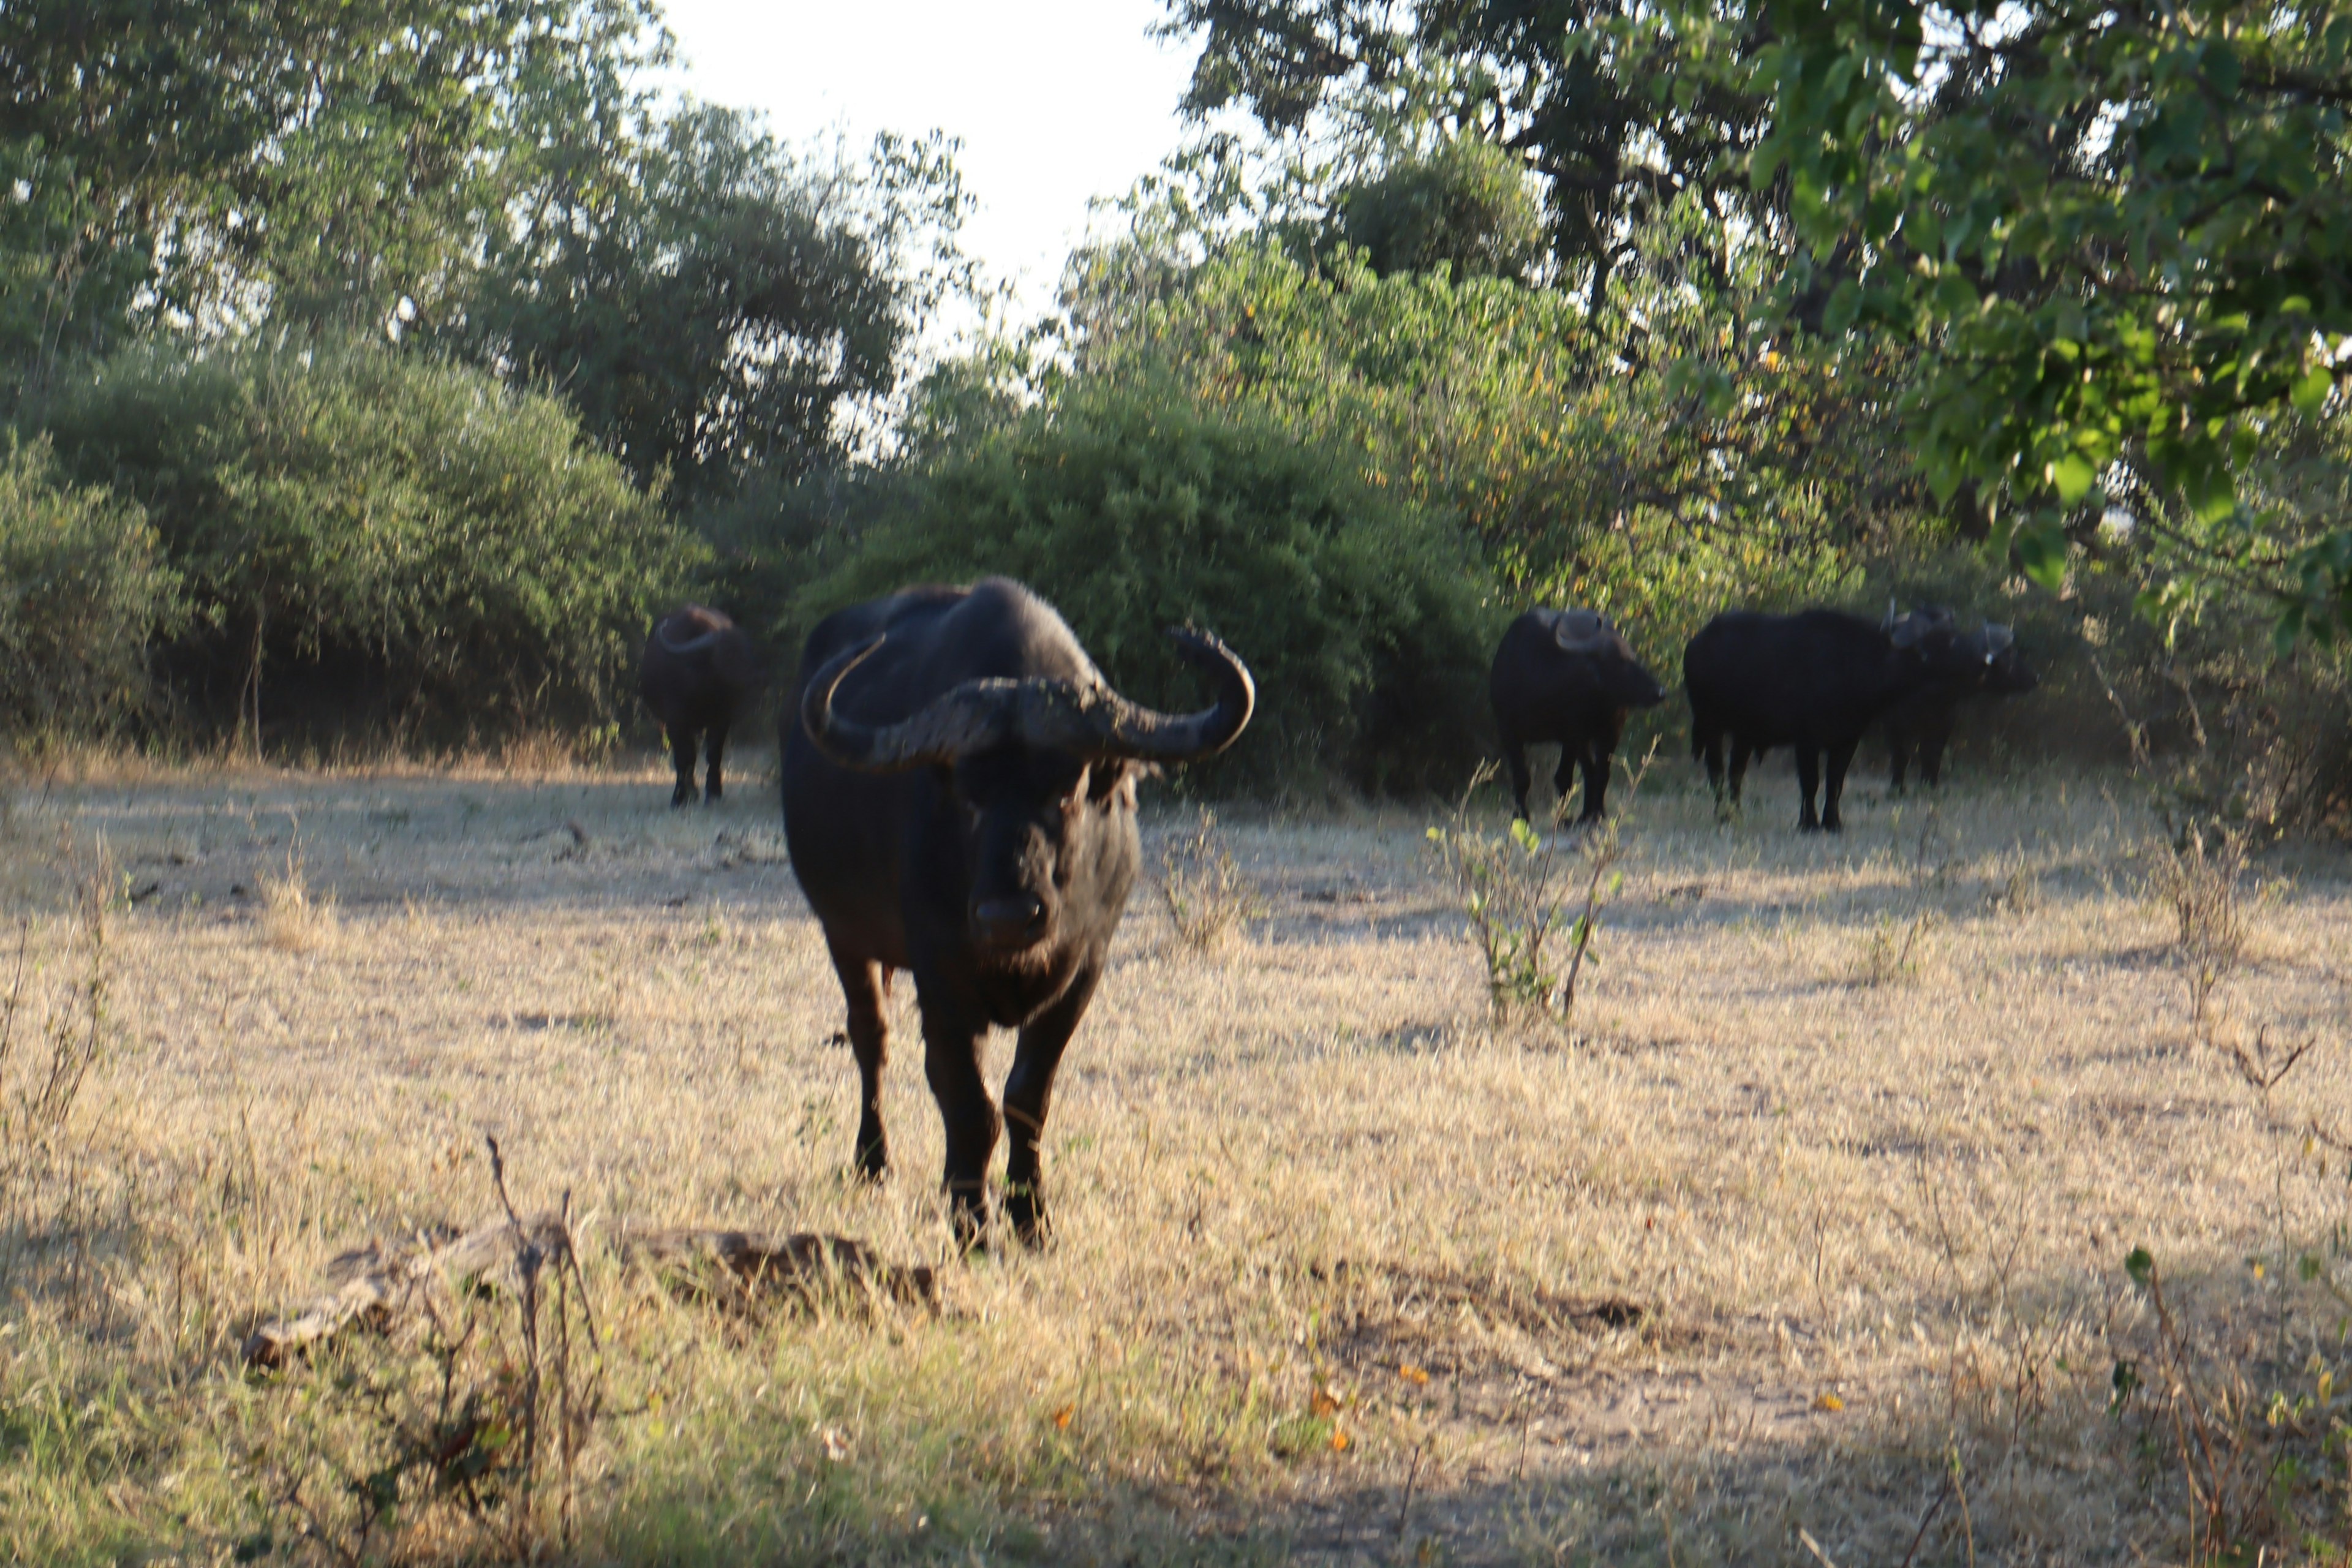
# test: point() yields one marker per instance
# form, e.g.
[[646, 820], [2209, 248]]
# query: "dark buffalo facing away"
[[1921, 725], [1567, 677], [1816, 682], [697, 673], [960, 801]]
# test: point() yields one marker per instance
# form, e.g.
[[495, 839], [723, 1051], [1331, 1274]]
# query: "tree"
[[326, 163], [2123, 236], [1612, 105], [709, 302]]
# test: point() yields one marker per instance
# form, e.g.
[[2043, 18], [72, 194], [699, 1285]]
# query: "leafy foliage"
[[712, 305], [1600, 99], [2118, 230], [1130, 510], [82, 585], [418, 536]]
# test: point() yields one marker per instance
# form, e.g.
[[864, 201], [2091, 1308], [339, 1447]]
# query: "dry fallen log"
[[379, 1286]]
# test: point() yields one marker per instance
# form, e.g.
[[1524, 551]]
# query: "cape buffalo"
[[695, 673], [1814, 680], [959, 801], [1923, 723], [1567, 678]]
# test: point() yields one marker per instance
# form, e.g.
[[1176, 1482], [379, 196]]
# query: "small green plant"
[[474, 1422], [1891, 952], [1209, 900], [2199, 880], [1535, 900]]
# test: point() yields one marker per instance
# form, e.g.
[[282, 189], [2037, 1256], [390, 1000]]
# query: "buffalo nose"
[[1010, 921]]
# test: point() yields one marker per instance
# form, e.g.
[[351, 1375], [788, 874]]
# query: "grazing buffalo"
[[959, 801], [1816, 682], [1922, 723], [1567, 678], [697, 671]]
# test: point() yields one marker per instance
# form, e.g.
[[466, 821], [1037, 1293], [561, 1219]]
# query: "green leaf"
[[2140, 1264], [2041, 551], [2310, 392], [2072, 474]]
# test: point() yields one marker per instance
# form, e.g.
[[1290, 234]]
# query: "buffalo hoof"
[[1025, 1210], [712, 796], [971, 1228], [682, 796]]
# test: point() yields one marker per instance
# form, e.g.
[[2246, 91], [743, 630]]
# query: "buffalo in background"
[[697, 673], [1566, 677], [960, 801], [1815, 681], [1922, 723]]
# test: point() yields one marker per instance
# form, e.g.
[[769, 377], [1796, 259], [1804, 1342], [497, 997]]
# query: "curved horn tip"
[[816, 700]]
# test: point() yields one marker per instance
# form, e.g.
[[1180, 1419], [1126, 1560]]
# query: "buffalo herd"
[[960, 793]]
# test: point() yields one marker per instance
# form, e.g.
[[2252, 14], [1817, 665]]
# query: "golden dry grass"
[[1792, 1236]]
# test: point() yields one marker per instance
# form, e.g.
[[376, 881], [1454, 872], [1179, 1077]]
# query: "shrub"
[[392, 539], [82, 586], [1364, 619]]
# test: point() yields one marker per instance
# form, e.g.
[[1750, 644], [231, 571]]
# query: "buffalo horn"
[[1583, 631], [1053, 713], [691, 645]]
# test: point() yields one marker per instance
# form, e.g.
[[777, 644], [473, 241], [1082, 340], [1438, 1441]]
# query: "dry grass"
[[1342, 1273]]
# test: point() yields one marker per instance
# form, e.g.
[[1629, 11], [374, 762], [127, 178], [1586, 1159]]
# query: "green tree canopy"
[[2122, 236]]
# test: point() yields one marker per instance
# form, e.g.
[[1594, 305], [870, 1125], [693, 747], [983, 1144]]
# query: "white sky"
[[1055, 100]]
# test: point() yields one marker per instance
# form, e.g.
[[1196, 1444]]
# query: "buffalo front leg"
[[1595, 765], [681, 757], [1515, 762], [1834, 787], [1740, 752], [1028, 1095], [1710, 746], [1898, 745], [951, 1053], [1809, 779], [865, 986], [714, 746]]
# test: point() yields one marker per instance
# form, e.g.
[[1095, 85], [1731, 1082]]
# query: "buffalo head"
[[2005, 672], [1033, 767], [1623, 682]]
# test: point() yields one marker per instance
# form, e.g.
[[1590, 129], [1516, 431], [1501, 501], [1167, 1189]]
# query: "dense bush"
[[1363, 616], [82, 585], [376, 539]]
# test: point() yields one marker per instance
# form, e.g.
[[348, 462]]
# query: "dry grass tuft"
[[2201, 887], [1210, 901], [292, 919], [1893, 949]]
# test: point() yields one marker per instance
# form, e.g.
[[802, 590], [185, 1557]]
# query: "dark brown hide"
[[696, 675]]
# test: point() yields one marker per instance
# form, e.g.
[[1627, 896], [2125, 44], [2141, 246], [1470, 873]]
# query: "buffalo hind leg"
[[951, 1062], [1898, 745], [714, 746], [1515, 762], [1028, 1096], [1740, 752], [1834, 787], [1809, 779], [681, 756], [865, 986]]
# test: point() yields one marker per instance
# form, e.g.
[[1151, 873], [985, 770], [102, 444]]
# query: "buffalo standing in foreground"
[[1567, 676], [1814, 680], [959, 801], [1923, 723], [697, 671]]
